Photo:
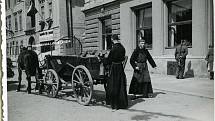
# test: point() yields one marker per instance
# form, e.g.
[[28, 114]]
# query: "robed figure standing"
[[116, 94], [141, 81]]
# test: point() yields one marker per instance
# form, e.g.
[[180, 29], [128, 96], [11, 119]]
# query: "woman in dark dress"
[[116, 94], [141, 81]]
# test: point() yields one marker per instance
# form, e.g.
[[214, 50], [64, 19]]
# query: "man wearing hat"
[[180, 56]]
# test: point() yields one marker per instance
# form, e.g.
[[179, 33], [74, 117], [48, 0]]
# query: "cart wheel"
[[82, 84], [51, 83]]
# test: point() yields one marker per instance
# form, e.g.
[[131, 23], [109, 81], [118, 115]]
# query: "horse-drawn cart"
[[76, 73]]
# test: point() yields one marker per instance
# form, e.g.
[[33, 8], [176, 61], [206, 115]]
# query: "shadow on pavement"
[[134, 102], [98, 99], [139, 100], [190, 72], [146, 116], [154, 95]]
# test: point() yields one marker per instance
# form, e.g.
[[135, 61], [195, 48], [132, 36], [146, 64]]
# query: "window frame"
[[11, 44], [42, 12], [50, 9], [8, 48], [20, 21], [17, 48], [8, 4], [13, 47], [9, 22], [104, 34], [16, 28], [136, 11], [183, 22]]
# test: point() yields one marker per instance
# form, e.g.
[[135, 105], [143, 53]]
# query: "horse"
[[28, 61]]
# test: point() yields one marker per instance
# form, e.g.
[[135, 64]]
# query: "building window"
[[41, 1], [15, 2], [8, 4], [50, 9], [106, 33], [21, 46], [47, 46], [144, 25], [20, 21], [13, 48], [8, 49], [11, 44], [17, 49], [179, 22], [16, 22], [9, 23], [43, 12]]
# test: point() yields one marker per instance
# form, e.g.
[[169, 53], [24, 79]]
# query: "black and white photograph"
[[107, 60]]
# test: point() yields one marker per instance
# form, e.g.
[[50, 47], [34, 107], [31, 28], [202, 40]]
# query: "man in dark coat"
[[210, 60], [141, 81], [116, 94], [180, 56]]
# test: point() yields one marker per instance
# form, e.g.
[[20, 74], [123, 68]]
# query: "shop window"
[[106, 33], [144, 25], [47, 46], [179, 22]]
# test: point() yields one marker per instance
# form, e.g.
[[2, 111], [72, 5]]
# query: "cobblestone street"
[[170, 103]]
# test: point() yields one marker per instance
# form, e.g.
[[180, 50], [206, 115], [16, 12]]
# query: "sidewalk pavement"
[[202, 87]]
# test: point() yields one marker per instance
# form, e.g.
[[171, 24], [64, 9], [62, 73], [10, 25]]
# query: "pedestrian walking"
[[180, 56], [141, 81], [116, 94], [210, 60]]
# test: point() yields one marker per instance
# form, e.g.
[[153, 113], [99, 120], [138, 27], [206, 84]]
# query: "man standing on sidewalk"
[[180, 56]]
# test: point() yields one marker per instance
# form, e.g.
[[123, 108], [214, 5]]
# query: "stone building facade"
[[162, 23], [42, 24]]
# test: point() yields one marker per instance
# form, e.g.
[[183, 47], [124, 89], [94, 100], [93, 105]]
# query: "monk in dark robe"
[[141, 82], [116, 94]]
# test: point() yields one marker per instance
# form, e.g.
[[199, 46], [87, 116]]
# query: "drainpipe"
[[71, 19]]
